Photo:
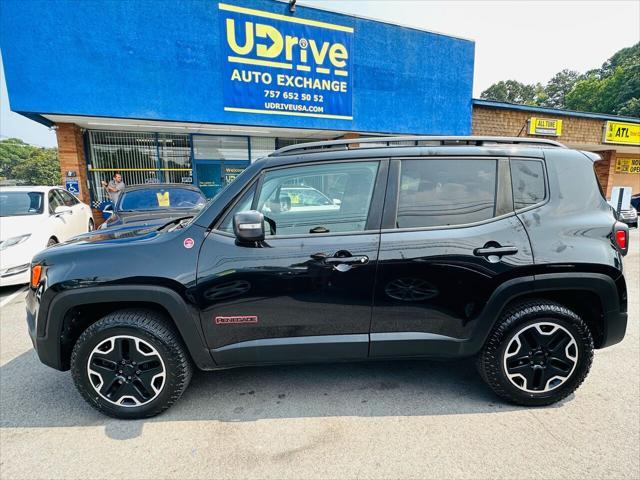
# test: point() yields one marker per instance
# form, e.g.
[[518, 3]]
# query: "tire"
[[128, 389], [51, 242], [549, 374], [91, 225]]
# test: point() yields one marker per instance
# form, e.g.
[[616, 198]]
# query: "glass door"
[[218, 160], [209, 177]]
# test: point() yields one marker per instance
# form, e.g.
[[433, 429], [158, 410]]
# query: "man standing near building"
[[114, 187]]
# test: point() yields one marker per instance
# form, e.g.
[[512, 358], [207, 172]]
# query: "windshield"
[[160, 198], [21, 203]]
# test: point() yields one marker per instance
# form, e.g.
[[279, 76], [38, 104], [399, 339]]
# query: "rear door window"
[[441, 193]]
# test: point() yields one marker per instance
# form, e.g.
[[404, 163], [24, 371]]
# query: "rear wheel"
[[52, 241], [91, 225], [538, 353], [131, 364]]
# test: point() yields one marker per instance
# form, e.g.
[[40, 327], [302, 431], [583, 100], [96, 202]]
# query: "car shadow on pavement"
[[32, 395]]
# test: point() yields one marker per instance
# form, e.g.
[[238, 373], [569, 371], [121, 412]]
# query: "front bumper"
[[17, 275], [48, 351]]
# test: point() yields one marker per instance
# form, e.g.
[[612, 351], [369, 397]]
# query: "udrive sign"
[[285, 65]]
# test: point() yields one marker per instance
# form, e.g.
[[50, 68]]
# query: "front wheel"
[[131, 364], [538, 353]]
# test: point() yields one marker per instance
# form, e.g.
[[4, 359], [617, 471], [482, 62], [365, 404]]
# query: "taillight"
[[36, 271], [621, 237]]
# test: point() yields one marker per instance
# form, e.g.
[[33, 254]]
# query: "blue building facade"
[[232, 68]]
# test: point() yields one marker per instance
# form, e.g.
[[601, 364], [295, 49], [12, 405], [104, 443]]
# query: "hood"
[[19, 225], [121, 234], [149, 218]]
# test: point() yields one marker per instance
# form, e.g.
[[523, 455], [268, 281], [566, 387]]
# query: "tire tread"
[[488, 360], [153, 324]]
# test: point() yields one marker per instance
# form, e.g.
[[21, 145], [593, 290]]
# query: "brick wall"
[[622, 179], [72, 158], [575, 131], [513, 123], [603, 167]]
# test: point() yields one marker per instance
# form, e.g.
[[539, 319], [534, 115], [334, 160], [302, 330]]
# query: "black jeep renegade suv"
[[498, 248]]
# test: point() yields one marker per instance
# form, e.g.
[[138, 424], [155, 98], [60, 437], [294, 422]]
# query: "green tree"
[[41, 168], [621, 58], [630, 108], [12, 152], [585, 95], [558, 88], [513, 91], [613, 88], [27, 164]]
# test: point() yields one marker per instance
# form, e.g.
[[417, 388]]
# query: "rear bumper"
[[615, 328]]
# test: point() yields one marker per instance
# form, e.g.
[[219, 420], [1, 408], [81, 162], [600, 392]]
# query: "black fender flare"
[[602, 285], [185, 318]]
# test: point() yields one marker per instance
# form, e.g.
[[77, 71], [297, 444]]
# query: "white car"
[[31, 219]]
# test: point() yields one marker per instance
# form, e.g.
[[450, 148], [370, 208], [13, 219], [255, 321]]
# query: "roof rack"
[[411, 141]]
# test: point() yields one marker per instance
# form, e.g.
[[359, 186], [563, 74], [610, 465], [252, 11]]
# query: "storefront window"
[[175, 158], [150, 157], [206, 147], [133, 154], [261, 147]]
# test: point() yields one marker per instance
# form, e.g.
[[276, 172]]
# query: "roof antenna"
[[292, 6]]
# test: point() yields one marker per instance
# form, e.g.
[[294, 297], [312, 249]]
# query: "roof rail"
[[411, 141]]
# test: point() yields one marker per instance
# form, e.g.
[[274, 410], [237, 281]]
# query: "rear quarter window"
[[528, 183]]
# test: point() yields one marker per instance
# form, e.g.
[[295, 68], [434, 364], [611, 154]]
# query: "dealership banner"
[[622, 132], [276, 64], [628, 165]]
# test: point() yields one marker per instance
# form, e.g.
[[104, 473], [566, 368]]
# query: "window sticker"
[[163, 199]]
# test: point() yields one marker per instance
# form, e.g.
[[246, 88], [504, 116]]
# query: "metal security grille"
[[140, 157], [175, 157]]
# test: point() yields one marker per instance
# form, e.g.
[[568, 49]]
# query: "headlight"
[[10, 242]]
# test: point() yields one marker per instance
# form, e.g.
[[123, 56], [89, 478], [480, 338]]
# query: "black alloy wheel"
[[538, 353], [126, 371], [540, 357], [131, 364]]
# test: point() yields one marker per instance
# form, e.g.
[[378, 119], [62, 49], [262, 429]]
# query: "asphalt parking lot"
[[409, 419]]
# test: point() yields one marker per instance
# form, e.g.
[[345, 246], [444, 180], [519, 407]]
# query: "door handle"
[[355, 260], [498, 251], [350, 260]]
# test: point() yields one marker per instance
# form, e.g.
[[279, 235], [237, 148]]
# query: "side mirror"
[[249, 226], [337, 201], [108, 209], [62, 210]]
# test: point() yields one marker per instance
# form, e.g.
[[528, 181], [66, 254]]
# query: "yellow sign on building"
[[622, 132], [628, 165], [545, 126]]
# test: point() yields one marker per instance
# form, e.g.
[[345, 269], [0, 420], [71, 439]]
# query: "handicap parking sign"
[[72, 186]]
